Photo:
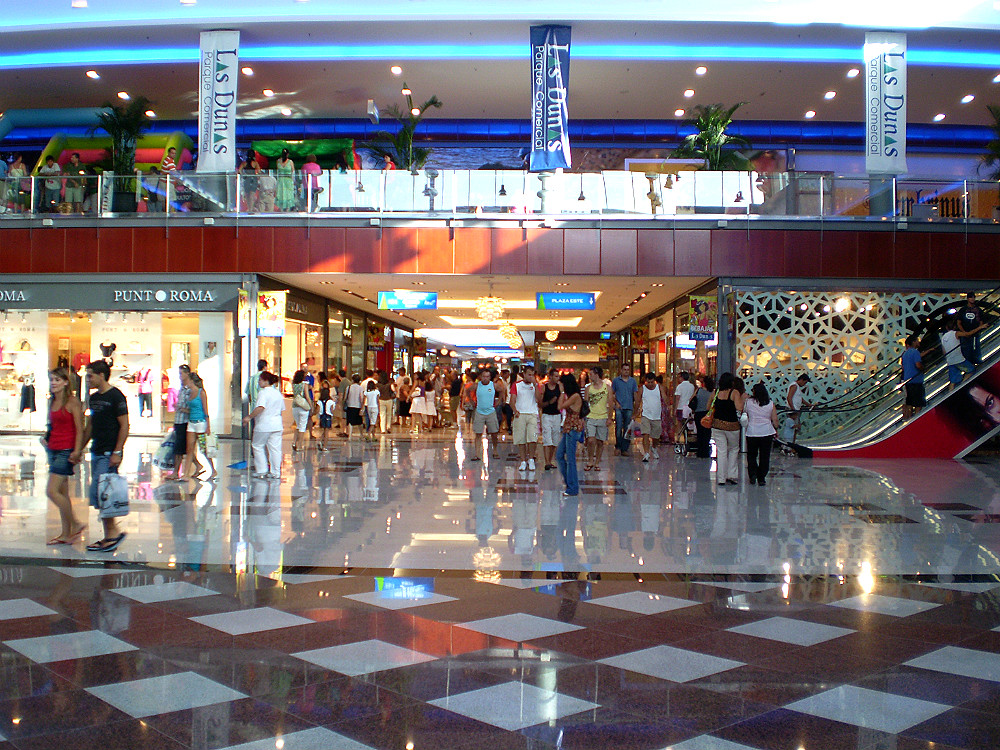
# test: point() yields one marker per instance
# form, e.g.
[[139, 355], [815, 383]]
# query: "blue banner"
[[565, 300], [549, 87], [404, 300]]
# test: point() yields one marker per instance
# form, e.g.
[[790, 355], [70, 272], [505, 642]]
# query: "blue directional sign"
[[404, 300], [566, 300]]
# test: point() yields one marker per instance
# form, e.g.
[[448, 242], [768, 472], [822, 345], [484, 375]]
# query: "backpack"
[[693, 403], [585, 406]]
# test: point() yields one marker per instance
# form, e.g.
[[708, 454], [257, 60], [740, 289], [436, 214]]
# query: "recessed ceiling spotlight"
[[678, 113], [968, 98], [939, 116], [286, 111], [996, 78], [268, 92], [123, 95], [700, 70], [189, 2], [415, 111], [829, 94], [811, 113], [93, 74], [150, 113], [78, 4], [247, 71], [396, 70], [853, 73], [688, 93]]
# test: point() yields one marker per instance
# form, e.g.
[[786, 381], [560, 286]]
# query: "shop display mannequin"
[[107, 350]]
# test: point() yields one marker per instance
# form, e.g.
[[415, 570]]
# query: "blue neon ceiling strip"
[[401, 52]]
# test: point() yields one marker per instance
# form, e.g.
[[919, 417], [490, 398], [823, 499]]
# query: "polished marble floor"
[[420, 504], [395, 596]]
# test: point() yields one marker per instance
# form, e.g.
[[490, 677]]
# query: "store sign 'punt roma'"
[[163, 295]]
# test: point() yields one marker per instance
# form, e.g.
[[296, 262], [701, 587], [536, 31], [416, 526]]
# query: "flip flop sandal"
[[56, 540], [107, 545]]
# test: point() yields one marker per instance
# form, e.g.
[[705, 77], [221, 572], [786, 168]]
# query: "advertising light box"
[[405, 300], [566, 300]]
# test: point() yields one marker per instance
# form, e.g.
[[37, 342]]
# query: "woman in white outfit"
[[266, 443], [728, 404], [302, 407]]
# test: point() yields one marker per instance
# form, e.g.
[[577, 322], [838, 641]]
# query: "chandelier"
[[509, 332], [490, 308], [551, 335]]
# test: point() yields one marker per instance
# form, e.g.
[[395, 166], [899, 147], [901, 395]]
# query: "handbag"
[[164, 456], [693, 403], [112, 495], [300, 402], [709, 419]]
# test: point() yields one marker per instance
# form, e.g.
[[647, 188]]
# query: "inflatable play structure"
[[93, 151], [330, 153]]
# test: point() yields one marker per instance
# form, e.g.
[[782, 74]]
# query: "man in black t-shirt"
[[107, 426], [970, 320]]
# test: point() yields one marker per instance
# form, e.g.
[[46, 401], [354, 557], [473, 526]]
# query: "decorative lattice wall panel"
[[836, 337]]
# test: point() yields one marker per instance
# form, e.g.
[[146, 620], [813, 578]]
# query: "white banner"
[[218, 73], [885, 103]]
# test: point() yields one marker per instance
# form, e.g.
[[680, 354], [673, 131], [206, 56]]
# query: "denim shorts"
[[59, 463]]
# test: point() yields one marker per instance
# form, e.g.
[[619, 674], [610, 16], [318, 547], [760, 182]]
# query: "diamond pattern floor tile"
[[788, 630], [296, 578], [49, 648], [364, 657], [378, 599], [885, 605], [16, 609], [669, 663], [967, 662], [251, 620], [316, 738], [165, 694], [164, 592], [708, 742], [520, 627], [643, 602], [513, 705], [870, 709]]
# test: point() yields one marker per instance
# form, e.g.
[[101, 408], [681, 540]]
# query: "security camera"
[[373, 111]]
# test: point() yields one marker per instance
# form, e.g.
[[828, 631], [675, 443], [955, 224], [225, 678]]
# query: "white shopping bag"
[[112, 495], [164, 457]]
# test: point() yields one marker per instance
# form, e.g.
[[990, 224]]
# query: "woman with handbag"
[[301, 409], [725, 423]]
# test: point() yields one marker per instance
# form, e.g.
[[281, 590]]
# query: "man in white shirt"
[[525, 397], [683, 393], [954, 357], [648, 406], [50, 172]]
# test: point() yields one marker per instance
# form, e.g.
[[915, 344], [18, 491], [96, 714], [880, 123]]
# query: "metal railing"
[[468, 193]]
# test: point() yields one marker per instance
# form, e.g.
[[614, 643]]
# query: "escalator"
[[866, 420]]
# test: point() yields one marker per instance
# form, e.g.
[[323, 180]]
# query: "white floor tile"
[[708, 742], [84, 571], [643, 602], [669, 663], [164, 592], [526, 583], [885, 605], [16, 609], [513, 705], [316, 738], [251, 620], [870, 709], [161, 695], [967, 662], [519, 627], [294, 578], [746, 587], [972, 588], [365, 657], [49, 648], [378, 599], [788, 630]]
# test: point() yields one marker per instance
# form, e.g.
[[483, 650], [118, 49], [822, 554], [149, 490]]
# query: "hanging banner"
[[218, 73], [885, 103], [549, 87], [271, 313], [419, 347], [639, 339], [376, 337], [704, 317], [243, 313]]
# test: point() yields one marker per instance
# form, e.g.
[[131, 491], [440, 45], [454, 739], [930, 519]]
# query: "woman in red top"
[[63, 441]]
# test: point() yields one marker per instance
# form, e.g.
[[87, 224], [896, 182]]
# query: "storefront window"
[[338, 337]]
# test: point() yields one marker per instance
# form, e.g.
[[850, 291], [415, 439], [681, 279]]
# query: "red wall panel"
[[184, 249], [83, 252], [766, 253], [291, 250], [399, 250], [435, 250], [840, 254], [221, 250], [149, 250], [48, 250], [545, 251], [326, 249], [473, 246], [693, 252], [114, 249], [730, 253], [15, 250], [875, 250], [581, 251], [983, 256], [948, 256], [362, 249], [255, 250], [911, 255], [619, 251], [509, 251], [803, 253]]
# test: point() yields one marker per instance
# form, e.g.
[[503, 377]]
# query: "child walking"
[[371, 404], [327, 407]]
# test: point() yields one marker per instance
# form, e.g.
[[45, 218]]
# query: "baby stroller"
[[686, 439]]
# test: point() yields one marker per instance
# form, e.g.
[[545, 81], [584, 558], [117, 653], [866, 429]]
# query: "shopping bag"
[[164, 458], [788, 430], [112, 495], [211, 446]]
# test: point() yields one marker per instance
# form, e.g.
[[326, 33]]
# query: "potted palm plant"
[[989, 163], [399, 146], [125, 123]]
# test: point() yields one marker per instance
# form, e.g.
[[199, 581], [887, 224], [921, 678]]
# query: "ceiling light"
[[678, 113], [700, 70], [189, 2], [853, 73], [286, 111], [396, 70], [123, 95], [489, 308], [268, 92], [406, 92], [93, 74], [415, 111], [247, 71], [688, 93], [968, 98], [551, 335], [996, 78], [811, 113], [829, 94], [842, 304], [939, 116], [79, 4], [150, 113]]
